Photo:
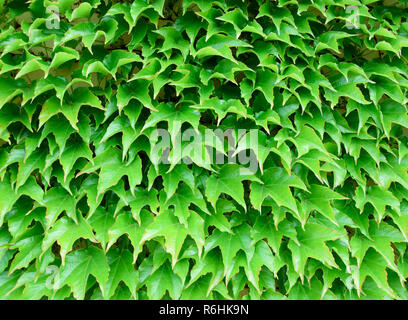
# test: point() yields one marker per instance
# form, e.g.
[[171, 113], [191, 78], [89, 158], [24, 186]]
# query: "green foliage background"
[[86, 213]]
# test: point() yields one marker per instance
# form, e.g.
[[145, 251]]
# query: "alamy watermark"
[[206, 147], [353, 17], [52, 282], [53, 20]]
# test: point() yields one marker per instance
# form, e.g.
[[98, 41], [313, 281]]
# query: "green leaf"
[[379, 198], [126, 224], [319, 199], [312, 244], [79, 265], [275, 183], [66, 232], [29, 247], [121, 269], [162, 280], [168, 226], [57, 200], [229, 181]]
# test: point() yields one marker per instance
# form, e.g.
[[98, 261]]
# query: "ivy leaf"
[[168, 226], [392, 112], [329, 40], [175, 116], [66, 232], [70, 108], [171, 180], [275, 183], [262, 257], [60, 128], [222, 107], [72, 152], [138, 200], [218, 45], [137, 89], [230, 244], [29, 247], [181, 202], [312, 244], [126, 224], [379, 198], [101, 221], [210, 263], [7, 198], [229, 181], [265, 227], [79, 265], [121, 269], [307, 140], [112, 170], [173, 40], [374, 266], [162, 280], [319, 199], [57, 200], [35, 161]]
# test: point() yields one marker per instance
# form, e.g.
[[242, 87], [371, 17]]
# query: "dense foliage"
[[92, 206]]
